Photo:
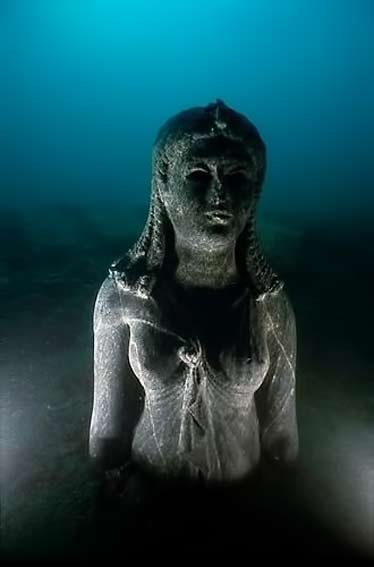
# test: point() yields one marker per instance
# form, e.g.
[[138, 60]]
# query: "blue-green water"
[[85, 85]]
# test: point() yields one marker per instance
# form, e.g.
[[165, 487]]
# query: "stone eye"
[[199, 176], [238, 177], [237, 174]]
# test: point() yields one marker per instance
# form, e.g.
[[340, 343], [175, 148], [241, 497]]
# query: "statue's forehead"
[[216, 147]]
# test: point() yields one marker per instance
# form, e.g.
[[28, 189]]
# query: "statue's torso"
[[199, 373]]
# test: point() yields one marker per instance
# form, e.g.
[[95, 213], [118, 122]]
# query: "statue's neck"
[[196, 267]]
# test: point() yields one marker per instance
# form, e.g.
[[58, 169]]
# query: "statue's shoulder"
[[122, 297], [107, 308], [278, 308]]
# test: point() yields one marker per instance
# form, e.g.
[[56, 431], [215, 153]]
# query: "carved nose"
[[218, 195], [218, 202]]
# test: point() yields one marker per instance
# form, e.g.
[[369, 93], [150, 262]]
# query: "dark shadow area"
[[51, 266]]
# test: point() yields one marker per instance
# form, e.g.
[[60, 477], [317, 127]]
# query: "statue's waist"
[[200, 436]]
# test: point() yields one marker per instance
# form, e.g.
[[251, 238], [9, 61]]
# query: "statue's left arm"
[[275, 399]]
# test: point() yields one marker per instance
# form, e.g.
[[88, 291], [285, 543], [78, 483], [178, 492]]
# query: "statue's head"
[[207, 173], [208, 167]]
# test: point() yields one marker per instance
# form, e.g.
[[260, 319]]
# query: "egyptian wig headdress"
[[140, 267]]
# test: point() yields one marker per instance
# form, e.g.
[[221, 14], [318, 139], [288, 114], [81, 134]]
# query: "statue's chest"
[[164, 351]]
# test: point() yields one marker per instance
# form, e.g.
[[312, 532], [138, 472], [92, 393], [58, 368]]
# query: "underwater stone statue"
[[195, 339]]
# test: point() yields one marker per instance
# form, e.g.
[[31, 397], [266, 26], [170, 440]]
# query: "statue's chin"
[[218, 237]]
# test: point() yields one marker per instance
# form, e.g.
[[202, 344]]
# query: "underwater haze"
[[87, 84], [85, 87]]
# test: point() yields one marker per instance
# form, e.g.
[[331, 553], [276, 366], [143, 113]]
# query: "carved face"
[[209, 191]]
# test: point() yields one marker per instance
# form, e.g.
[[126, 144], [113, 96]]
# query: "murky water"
[[51, 270]]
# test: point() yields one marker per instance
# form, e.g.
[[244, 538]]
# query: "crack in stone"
[[281, 345], [154, 432], [154, 326], [291, 366]]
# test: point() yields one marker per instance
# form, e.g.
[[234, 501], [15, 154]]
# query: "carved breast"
[[162, 359], [199, 396]]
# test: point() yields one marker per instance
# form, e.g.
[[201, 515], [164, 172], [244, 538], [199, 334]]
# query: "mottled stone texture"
[[195, 340]]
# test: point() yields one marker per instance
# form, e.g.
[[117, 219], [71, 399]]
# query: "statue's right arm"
[[117, 393]]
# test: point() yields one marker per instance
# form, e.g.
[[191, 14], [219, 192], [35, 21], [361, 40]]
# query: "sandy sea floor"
[[52, 262]]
